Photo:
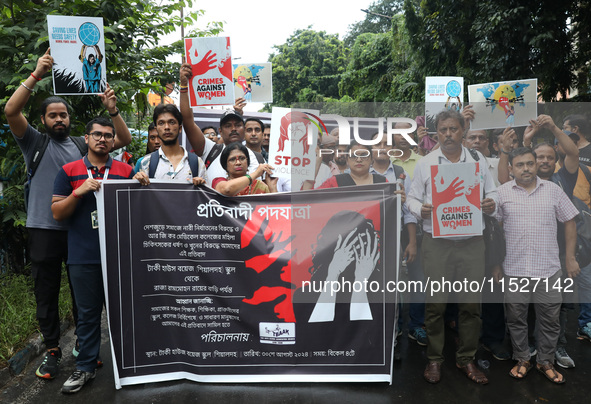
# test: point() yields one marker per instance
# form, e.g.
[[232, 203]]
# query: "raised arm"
[[122, 133], [193, 132], [571, 161], [14, 107]]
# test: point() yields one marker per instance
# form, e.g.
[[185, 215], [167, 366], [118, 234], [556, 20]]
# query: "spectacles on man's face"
[[105, 135]]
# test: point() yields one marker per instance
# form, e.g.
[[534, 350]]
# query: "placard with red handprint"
[[211, 63], [456, 200]]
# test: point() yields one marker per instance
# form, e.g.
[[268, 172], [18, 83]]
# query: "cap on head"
[[230, 115]]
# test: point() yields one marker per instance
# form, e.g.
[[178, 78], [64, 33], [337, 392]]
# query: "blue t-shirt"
[[83, 239]]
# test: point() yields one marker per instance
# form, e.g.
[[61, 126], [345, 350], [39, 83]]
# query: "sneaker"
[[76, 349], [584, 333], [420, 335], [77, 380], [498, 352], [562, 358], [50, 366]]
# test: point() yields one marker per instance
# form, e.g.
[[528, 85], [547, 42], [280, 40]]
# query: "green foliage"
[[18, 312], [373, 23], [307, 67], [503, 40], [12, 209]]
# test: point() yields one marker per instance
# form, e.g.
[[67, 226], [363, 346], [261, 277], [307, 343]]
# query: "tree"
[[502, 40], [374, 21], [379, 68], [307, 67]]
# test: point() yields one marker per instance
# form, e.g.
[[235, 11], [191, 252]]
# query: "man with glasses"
[[47, 237], [74, 199], [171, 161]]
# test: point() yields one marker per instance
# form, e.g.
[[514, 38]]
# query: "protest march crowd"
[[535, 190]]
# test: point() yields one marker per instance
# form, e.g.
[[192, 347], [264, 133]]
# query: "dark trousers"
[[48, 250], [87, 281], [493, 313], [454, 261]]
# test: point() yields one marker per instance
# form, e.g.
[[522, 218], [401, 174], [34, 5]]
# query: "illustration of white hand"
[[343, 255], [367, 256]]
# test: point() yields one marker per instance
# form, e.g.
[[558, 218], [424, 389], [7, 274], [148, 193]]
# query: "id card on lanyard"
[[94, 215]]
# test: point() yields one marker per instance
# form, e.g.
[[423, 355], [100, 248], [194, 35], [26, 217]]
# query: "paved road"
[[408, 385]]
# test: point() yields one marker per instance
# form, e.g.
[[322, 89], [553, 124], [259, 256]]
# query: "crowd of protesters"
[[528, 185]]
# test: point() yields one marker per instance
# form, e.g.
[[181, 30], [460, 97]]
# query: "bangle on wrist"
[[249, 179], [115, 113], [505, 151], [35, 77], [27, 87], [183, 91], [76, 195]]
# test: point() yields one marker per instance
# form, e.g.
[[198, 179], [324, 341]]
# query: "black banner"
[[275, 287]]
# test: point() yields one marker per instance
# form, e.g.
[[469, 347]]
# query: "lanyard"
[[104, 177]]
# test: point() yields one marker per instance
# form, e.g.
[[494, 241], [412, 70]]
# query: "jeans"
[[87, 281]]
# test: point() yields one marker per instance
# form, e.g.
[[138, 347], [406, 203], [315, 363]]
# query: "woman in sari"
[[235, 160]]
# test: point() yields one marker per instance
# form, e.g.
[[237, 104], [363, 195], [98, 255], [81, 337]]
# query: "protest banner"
[[78, 50], [502, 104], [292, 144], [456, 197], [253, 82], [211, 65], [442, 93], [219, 289]]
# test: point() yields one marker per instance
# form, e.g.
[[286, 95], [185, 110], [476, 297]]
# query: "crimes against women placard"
[[211, 64], [456, 197], [78, 50], [292, 144], [204, 287]]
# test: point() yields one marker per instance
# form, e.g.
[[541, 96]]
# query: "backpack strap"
[[213, 154], [81, 144], [40, 147], [259, 157], [378, 179], [193, 164], [154, 159], [474, 154]]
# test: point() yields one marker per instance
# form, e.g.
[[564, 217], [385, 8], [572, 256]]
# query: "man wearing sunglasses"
[[73, 199]]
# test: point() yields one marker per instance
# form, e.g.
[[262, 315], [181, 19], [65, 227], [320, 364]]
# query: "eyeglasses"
[[105, 135], [233, 160], [170, 122]]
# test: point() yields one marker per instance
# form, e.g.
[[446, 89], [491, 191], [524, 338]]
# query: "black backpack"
[[40, 147]]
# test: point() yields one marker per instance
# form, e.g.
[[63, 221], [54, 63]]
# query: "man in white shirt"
[[453, 258], [174, 162]]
